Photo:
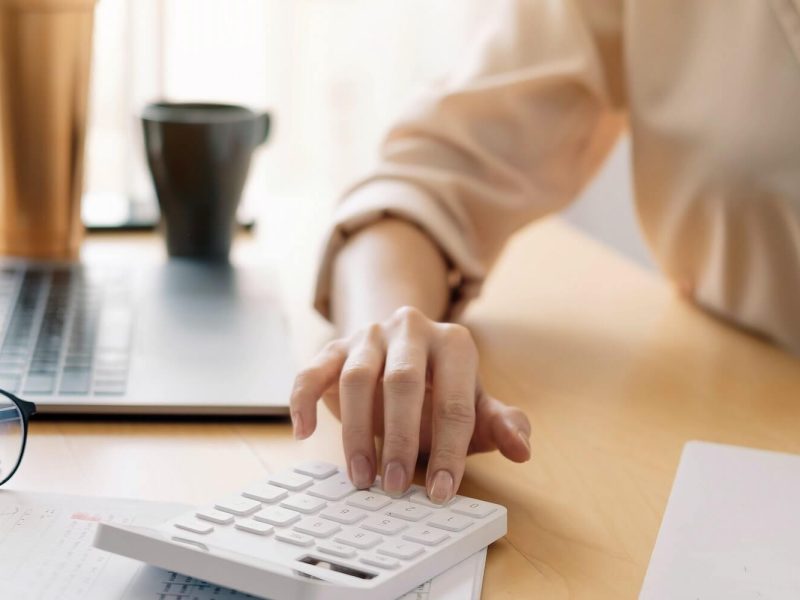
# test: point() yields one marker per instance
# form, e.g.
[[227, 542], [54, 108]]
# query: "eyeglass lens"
[[12, 435]]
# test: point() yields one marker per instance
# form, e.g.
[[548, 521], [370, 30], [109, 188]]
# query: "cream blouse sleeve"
[[510, 138]]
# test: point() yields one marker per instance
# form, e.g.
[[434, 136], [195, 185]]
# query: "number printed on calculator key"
[[358, 539], [404, 550], [333, 488], [408, 511], [346, 515], [304, 504], [422, 498], [369, 500], [317, 527], [429, 536], [473, 508], [384, 525], [335, 549], [449, 521]]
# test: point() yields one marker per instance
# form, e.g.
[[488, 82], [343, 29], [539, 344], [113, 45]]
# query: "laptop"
[[178, 338]]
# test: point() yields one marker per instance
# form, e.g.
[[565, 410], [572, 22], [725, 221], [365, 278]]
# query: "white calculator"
[[308, 533]]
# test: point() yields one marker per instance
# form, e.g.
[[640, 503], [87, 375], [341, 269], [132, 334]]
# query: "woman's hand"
[[414, 382]]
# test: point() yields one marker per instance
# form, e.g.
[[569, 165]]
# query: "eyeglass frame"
[[26, 410]]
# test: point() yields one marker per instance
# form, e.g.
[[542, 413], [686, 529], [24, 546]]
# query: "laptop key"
[[75, 381], [109, 388], [9, 383], [40, 384]]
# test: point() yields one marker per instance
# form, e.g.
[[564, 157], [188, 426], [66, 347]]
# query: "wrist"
[[383, 267]]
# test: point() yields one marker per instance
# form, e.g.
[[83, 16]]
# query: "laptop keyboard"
[[65, 331]]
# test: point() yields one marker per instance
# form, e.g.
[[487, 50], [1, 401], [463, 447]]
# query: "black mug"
[[199, 156]]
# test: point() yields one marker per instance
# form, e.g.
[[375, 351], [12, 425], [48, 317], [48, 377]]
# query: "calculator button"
[[449, 521], [408, 511], [317, 527], [358, 539], [346, 515], [264, 492], [473, 508], [253, 526], [304, 504], [194, 525], [294, 482], [430, 536], [317, 469], [239, 506], [369, 500], [215, 516], [422, 498], [376, 560], [404, 550], [384, 525], [293, 537], [334, 488], [377, 488], [275, 515], [335, 549]]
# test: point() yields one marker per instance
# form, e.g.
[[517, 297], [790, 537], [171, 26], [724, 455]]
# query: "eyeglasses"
[[14, 415]]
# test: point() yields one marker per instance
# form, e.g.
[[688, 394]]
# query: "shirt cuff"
[[377, 200]]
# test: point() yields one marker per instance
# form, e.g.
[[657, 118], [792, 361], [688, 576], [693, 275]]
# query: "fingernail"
[[394, 478], [297, 423], [521, 435], [441, 487], [360, 471]]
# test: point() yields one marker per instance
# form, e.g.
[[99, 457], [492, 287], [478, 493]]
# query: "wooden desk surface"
[[614, 369]]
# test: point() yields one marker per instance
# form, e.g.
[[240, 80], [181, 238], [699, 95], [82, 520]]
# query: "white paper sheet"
[[46, 553], [731, 529]]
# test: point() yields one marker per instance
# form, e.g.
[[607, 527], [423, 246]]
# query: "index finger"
[[310, 384], [455, 369]]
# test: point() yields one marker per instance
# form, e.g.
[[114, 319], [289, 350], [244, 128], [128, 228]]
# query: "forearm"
[[383, 267]]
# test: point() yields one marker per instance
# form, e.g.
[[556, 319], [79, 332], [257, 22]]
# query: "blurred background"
[[334, 72]]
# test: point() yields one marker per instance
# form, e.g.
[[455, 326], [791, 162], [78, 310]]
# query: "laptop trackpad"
[[211, 322]]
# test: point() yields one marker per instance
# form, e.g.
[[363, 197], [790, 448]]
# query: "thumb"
[[501, 427]]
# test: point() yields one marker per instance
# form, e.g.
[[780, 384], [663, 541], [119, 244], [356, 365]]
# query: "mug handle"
[[264, 125]]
